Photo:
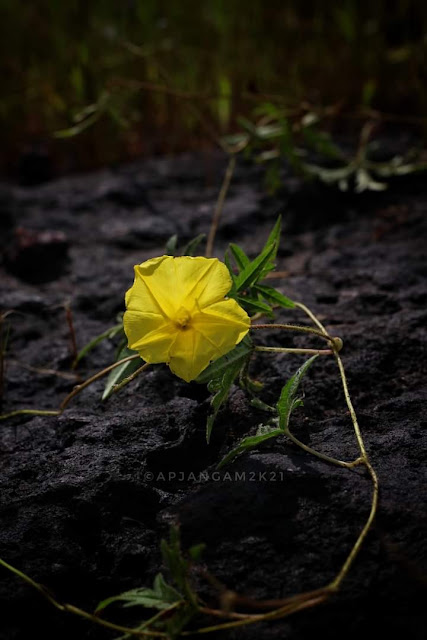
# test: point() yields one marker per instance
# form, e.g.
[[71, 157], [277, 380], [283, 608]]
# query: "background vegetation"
[[149, 76]]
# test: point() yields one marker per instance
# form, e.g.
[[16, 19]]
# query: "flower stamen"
[[182, 319]]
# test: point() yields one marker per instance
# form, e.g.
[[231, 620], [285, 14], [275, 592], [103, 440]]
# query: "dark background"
[[159, 76]]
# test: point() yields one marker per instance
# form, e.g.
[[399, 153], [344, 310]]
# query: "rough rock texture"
[[85, 497]]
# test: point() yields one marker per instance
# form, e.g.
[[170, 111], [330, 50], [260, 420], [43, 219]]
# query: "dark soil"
[[87, 496]]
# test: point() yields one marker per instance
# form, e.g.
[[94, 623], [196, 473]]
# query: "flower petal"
[[227, 314], [166, 287], [190, 354], [206, 280], [211, 336], [151, 288], [152, 340]]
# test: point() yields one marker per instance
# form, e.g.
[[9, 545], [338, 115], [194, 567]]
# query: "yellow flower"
[[176, 313]]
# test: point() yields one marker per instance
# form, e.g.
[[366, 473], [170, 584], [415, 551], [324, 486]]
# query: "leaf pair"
[[176, 603], [279, 425], [247, 290], [171, 248]]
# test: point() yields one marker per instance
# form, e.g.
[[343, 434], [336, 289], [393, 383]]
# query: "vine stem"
[[315, 352], [312, 317], [375, 491], [311, 599], [364, 459], [294, 327], [290, 605], [71, 395], [76, 610], [220, 205], [132, 376], [322, 456]]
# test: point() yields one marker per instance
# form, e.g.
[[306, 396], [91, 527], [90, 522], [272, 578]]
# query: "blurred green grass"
[[159, 76]]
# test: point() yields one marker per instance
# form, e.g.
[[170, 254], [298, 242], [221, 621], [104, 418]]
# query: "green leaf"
[[171, 245], [255, 269], [195, 552], [161, 596], [247, 125], [164, 590], [269, 131], [232, 292], [238, 355], [252, 306], [272, 295], [252, 272], [236, 139], [246, 382], [221, 395], [240, 256], [274, 237], [365, 182], [120, 373], [190, 248], [259, 404], [321, 142], [78, 128], [222, 374], [173, 558], [288, 400], [330, 176], [109, 333], [264, 432]]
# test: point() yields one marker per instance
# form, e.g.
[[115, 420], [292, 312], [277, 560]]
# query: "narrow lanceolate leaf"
[[264, 433], [220, 376], [109, 333], [120, 373], [232, 292], [239, 256], [274, 296], [173, 558], [253, 271], [259, 404], [190, 248], [272, 240], [171, 245], [252, 306], [274, 237], [222, 388], [195, 552], [288, 400], [236, 356]]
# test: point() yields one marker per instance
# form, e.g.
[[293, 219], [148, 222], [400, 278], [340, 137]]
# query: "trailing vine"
[[176, 601]]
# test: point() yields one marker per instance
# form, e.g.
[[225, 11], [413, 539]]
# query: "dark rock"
[[37, 256], [87, 496]]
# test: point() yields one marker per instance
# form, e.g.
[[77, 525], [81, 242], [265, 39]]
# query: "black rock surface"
[[86, 497]]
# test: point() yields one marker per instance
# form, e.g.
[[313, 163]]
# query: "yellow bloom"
[[176, 313]]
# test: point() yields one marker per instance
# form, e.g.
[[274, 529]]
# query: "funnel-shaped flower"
[[176, 313]]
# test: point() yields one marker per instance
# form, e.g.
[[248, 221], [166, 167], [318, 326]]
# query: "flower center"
[[182, 319]]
